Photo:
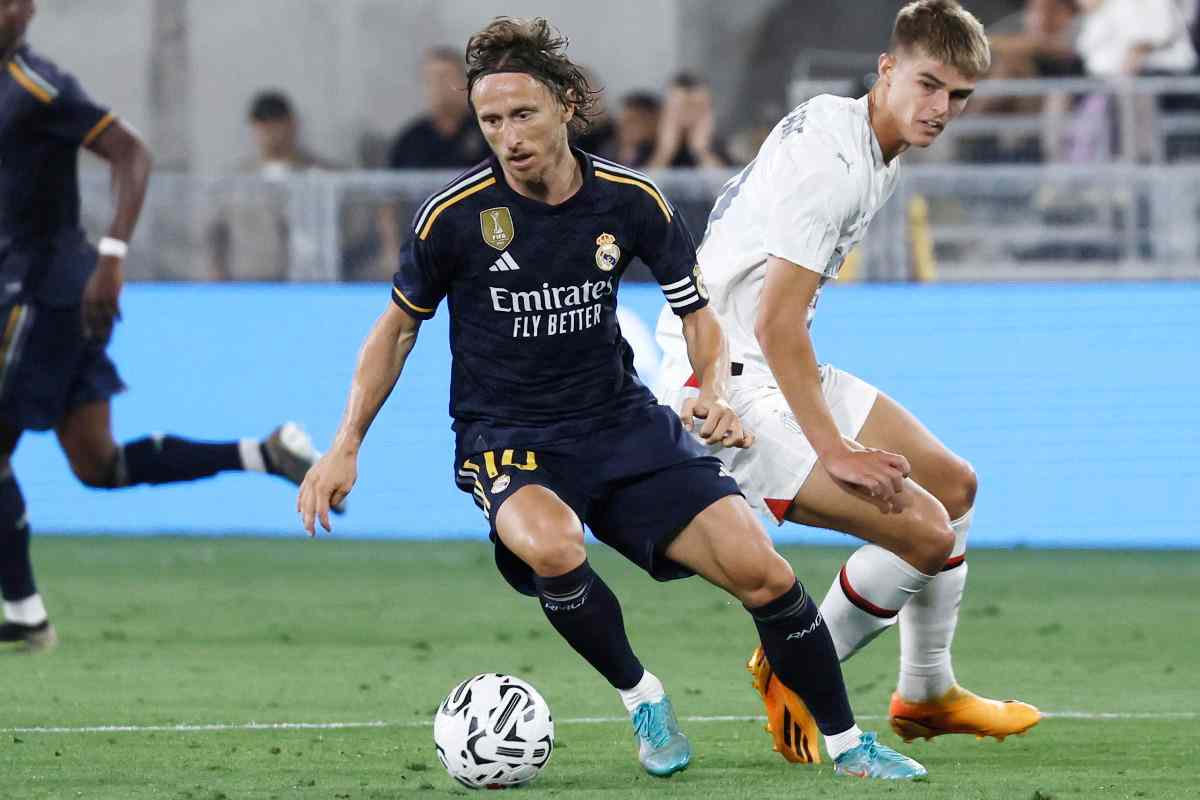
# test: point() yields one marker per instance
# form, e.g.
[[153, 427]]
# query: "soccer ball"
[[493, 731]]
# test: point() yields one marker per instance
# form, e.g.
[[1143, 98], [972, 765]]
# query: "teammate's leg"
[[545, 533], [726, 545], [85, 435], [25, 617], [928, 700]]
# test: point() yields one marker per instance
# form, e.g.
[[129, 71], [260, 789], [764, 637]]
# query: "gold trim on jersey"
[[646, 187], [99, 128], [410, 303], [465, 193], [28, 83]]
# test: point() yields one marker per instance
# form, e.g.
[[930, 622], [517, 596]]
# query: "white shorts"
[[771, 472]]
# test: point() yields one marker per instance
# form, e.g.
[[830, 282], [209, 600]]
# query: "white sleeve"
[[1154, 22], [812, 196]]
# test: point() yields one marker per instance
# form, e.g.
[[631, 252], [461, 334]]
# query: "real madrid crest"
[[608, 255], [497, 227], [500, 484]]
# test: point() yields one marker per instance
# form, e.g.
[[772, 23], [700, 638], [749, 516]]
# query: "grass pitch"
[[162, 637]]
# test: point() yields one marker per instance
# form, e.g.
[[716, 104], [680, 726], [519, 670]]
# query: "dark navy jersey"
[[45, 117], [538, 355]]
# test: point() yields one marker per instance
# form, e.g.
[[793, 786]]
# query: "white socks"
[[866, 595], [251, 453], [841, 742], [927, 626], [30, 611], [648, 690]]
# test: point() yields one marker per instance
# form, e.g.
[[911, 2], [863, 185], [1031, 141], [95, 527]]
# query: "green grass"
[[196, 631]]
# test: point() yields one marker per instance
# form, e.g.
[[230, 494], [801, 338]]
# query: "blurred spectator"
[[1039, 41], [1036, 42], [1126, 38], [446, 136], [636, 130], [1136, 37], [686, 131], [250, 237]]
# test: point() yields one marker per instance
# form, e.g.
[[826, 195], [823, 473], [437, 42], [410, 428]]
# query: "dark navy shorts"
[[47, 366], [636, 488]]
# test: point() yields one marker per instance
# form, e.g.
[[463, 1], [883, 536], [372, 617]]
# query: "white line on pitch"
[[337, 726]]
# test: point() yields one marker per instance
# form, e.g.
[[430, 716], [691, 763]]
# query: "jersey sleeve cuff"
[[416, 310]]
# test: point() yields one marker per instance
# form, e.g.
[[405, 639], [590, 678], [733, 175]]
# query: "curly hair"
[[946, 31], [535, 48]]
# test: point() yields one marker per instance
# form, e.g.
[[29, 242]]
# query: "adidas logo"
[[504, 263]]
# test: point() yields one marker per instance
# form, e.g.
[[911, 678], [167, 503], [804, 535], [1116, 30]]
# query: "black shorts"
[[47, 366], [636, 488]]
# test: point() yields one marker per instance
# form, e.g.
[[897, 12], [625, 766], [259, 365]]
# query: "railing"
[[973, 223]]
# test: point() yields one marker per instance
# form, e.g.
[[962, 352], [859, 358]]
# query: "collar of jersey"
[[585, 165]]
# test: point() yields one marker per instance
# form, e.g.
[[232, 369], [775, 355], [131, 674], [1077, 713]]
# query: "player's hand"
[[101, 305], [875, 474], [721, 424], [326, 484]]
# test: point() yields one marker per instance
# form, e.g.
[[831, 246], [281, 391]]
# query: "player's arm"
[[708, 353], [788, 347], [380, 362], [130, 163]]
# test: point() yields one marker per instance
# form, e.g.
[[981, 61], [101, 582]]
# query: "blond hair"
[[945, 31]]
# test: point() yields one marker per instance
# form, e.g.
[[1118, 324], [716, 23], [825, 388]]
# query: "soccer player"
[[58, 303], [554, 430], [833, 451]]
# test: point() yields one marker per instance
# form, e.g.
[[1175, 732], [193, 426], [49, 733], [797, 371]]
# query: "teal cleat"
[[870, 759], [662, 748]]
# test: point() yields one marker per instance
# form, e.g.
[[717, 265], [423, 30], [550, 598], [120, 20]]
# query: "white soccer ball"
[[493, 731]]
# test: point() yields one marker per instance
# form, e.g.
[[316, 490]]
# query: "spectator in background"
[[687, 129], [1037, 42], [250, 237], [1136, 37], [446, 136], [1126, 38], [636, 131]]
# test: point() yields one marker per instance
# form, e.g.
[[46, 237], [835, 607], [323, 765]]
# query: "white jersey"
[[808, 197]]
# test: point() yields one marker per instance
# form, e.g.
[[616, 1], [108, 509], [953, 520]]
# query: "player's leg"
[[928, 700], [546, 534], [25, 617], [907, 549], [725, 544], [85, 435], [540, 551]]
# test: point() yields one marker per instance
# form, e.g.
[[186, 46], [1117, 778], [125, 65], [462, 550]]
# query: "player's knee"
[[933, 540], [961, 495], [556, 547], [761, 580]]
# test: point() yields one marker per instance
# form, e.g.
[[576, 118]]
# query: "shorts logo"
[[500, 484], [607, 252], [700, 287], [497, 227]]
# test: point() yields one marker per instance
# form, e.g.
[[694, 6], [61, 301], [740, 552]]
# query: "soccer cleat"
[[870, 759], [662, 747], [788, 719], [289, 453], [35, 637], [960, 711]]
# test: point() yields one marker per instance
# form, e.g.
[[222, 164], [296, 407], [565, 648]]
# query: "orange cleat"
[[960, 711], [791, 726]]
